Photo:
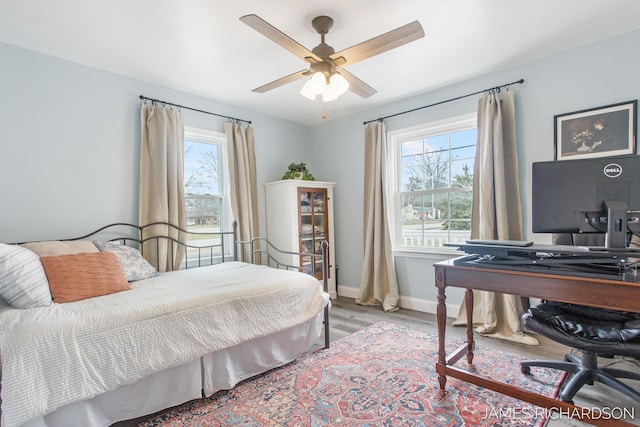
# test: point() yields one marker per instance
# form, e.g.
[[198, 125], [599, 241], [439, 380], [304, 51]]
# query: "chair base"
[[586, 371]]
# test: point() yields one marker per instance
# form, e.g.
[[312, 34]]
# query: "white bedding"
[[55, 355]]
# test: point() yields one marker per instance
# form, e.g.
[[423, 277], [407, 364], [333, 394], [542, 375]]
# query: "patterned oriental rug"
[[383, 375]]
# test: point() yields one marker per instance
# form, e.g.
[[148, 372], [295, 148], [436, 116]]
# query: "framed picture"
[[597, 132]]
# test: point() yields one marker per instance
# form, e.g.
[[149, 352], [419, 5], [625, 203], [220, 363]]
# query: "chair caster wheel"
[[525, 370]]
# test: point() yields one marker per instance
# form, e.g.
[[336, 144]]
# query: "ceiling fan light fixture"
[[317, 83], [329, 94], [339, 84], [307, 92]]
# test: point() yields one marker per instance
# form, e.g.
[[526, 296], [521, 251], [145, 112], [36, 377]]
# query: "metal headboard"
[[157, 233]]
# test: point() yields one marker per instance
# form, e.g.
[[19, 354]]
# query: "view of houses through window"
[[206, 195], [433, 184]]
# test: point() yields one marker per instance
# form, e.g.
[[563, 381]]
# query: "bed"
[[156, 341]]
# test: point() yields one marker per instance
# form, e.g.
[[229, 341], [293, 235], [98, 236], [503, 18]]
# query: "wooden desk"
[[572, 289]]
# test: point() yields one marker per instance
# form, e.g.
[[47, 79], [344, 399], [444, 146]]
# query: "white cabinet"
[[299, 218]]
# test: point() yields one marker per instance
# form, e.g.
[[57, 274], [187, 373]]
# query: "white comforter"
[[55, 355]]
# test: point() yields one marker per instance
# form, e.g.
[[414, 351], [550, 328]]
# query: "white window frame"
[[220, 139], [394, 171]]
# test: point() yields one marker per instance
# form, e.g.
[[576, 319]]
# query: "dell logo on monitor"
[[613, 170]]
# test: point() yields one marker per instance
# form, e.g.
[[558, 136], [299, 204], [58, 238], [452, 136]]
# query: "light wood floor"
[[347, 317]]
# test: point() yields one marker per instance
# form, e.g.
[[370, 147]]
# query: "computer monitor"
[[596, 195]]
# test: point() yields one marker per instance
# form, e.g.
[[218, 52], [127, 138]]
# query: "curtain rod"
[[193, 109], [443, 102]]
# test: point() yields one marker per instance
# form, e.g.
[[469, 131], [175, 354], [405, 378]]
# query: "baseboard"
[[417, 304]]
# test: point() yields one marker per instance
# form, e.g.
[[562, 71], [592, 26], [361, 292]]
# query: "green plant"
[[295, 170]]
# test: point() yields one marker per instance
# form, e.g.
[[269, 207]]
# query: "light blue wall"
[[598, 74], [70, 137], [69, 142]]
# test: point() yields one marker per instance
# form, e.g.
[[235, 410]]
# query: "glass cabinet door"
[[313, 227]]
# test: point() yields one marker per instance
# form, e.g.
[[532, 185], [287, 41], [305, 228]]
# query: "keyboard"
[[495, 242]]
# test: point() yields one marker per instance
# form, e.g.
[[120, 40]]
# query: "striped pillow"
[[23, 283]]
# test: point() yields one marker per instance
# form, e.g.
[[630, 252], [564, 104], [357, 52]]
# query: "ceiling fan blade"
[[271, 32], [382, 43], [356, 85], [282, 81]]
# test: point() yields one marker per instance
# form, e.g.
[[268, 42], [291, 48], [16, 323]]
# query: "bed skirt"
[[220, 370]]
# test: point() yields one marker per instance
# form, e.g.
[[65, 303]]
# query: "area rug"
[[383, 375]]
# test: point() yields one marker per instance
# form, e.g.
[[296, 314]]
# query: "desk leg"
[[468, 300], [441, 317]]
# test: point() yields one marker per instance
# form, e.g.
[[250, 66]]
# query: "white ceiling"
[[201, 47]]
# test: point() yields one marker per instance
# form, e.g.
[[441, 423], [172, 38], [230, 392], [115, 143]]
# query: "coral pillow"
[[81, 276]]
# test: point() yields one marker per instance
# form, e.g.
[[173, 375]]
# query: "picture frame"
[[604, 131]]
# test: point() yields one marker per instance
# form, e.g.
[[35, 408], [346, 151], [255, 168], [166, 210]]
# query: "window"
[[432, 181], [205, 186]]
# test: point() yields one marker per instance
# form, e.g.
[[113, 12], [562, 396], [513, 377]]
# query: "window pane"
[[440, 218], [425, 171], [463, 138], [203, 212], [437, 175], [203, 216], [412, 178], [459, 216], [438, 143], [462, 173], [201, 168], [412, 147]]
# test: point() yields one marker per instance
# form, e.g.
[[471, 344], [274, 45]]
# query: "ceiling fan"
[[329, 77]]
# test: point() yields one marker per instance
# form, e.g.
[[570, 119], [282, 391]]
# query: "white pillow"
[[61, 247], [23, 282], [135, 267]]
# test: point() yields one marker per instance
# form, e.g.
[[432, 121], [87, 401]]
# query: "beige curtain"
[[378, 284], [243, 183], [161, 195], [496, 212]]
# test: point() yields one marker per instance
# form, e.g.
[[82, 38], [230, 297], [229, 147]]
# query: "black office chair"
[[593, 331]]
